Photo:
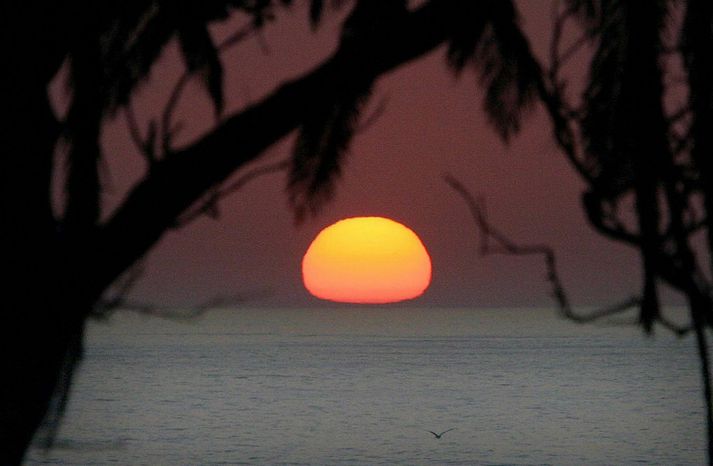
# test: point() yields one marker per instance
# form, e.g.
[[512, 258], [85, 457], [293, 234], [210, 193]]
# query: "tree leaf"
[[315, 12], [200, 54], [613, 123], [486, 35], [323, 140]]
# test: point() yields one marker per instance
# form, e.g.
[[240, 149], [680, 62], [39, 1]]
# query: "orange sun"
[[366, 260]]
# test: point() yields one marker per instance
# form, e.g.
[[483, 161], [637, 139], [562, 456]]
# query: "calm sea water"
[[363, 387]]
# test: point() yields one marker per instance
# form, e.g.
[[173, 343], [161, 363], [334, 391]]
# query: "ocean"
[[364, 386]]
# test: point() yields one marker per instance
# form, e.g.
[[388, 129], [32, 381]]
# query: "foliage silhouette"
[[646, 163], [637, 152], [63, 263], [631, 149]]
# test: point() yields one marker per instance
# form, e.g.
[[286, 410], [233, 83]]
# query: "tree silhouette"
[[639, 136], [647, 164], [60, 264]]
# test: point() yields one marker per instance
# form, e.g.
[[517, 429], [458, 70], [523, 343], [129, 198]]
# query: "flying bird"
[[441, 434]]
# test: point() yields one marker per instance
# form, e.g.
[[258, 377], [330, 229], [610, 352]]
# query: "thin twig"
[[679, 330], [209, 205], [557, 58], [504, 245], [144, 145], [168, 131], [572, 49], [683, 111], [119, 301], [188, 313], [373, 117], [125, 284], [552, 92]]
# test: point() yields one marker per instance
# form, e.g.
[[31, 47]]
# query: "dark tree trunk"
[[702, 345], [697, 41], [41, 342], [697, 44], [58, 270], [32, 337], [699, 308], [31, 334], [33, 328]]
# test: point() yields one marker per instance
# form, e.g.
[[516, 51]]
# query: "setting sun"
[[366, 260]]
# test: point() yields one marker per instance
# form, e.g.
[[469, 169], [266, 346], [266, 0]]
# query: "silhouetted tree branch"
[[104, 310], [626, 144], [73, 255], [167, 129], [373, 117], [618, 138], [504, 245], [145, 145], [209, 205], [156, 201]]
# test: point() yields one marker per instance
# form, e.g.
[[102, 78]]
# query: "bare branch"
[[678, 330], [123, 287], [679, 114], [145, 146], [106, 307], [168, 130], [504, 245], [177, 182], [572, 49], [236, 37], [374, 116], [551, 89], [557, 29], [558, 58], [617, 308], [605, 222], [188, 313], [209, 206]]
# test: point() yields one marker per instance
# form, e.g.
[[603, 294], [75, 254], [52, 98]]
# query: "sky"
[[432, 124]]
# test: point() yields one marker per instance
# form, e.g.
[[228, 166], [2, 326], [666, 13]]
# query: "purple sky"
[[433, 124]]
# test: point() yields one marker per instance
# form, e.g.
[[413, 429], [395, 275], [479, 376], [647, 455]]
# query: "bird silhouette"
[[441, 434]]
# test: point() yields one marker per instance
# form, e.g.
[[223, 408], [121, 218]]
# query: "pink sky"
[[432, 124]]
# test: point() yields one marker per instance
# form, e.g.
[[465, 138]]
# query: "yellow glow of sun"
[[366, 260]]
